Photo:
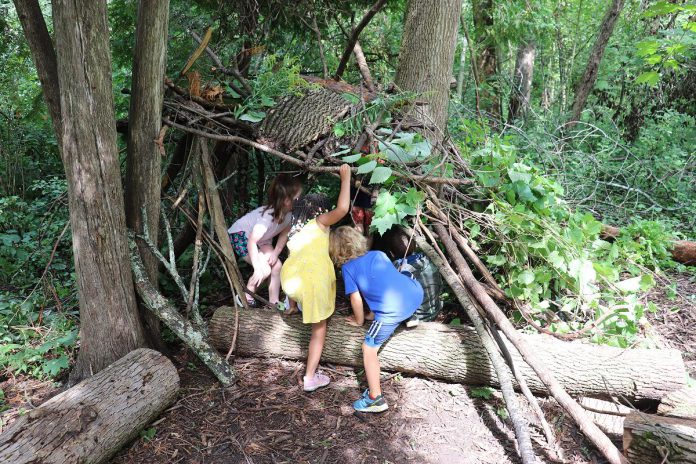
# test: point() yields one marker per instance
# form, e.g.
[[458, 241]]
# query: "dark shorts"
[[379, 332], [239, 243]]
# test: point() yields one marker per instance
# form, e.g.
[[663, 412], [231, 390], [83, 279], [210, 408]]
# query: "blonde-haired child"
[[392, 298], [308, 276], [252, 235]]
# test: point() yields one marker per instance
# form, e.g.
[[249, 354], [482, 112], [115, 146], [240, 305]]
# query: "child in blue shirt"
[[392, 298]]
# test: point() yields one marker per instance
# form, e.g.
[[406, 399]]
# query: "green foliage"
[[148, 434], [394, 208], [485, 393], [37, 318], [550, 257]]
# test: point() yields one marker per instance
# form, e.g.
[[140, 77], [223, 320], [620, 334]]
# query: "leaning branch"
[[354, 37], [312, 168]]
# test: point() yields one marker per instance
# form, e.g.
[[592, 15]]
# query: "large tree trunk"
[[522, 81], [486, 60], [143, 178], [44, 55], [93, 420], [426, 58], [109, 322], [589, 77], [455, 354], [650, 439]]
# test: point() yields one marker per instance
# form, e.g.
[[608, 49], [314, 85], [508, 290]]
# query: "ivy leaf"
[[380, 174], [384, 223], [650, 77], [367, 167], [526, 277]]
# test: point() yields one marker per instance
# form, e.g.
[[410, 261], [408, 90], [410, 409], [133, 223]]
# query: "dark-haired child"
[[308, 277], [252, 235], [401, 250]]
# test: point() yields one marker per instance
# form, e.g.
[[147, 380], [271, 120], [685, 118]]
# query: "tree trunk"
[[143, 173], [486, 60], [455, 354], [650, 439], [589, 77], [109, 322], [93, 420], [522, 81], [426, 59], [44, 55]]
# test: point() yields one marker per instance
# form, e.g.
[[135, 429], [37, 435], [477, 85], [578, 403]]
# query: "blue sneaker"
[[367, 404]]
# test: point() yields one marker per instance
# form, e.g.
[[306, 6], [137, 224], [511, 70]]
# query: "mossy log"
[[650, 439], [94, 419], [455, 354]]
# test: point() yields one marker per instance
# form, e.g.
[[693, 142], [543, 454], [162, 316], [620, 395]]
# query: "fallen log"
[[680, 403], [683, 251], [94, 419], [455, 354], [650, 439]]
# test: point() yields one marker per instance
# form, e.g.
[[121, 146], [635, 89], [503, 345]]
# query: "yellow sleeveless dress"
[[308, 275]]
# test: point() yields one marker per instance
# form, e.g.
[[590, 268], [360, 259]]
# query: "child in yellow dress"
[[308, 277]]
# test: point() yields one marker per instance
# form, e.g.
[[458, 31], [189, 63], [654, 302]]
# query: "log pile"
[[92, 420]]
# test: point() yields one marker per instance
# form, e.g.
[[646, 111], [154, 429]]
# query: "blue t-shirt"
[[392, 296]]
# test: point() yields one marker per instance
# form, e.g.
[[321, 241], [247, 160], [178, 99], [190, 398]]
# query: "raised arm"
[[332, 217]]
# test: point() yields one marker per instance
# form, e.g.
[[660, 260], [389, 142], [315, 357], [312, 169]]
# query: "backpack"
[[425, 272]]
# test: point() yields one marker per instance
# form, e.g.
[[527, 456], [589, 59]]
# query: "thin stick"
[[234, 334], [196, 252], [354, 37]]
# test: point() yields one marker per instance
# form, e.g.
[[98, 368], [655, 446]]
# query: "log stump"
[[91, 421], [456, 355]]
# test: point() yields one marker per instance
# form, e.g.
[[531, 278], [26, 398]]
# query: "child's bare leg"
[[316, 346], [274, 284], [293, 307], [371, 362]]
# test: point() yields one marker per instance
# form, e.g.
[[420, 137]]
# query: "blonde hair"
[[346, 243]]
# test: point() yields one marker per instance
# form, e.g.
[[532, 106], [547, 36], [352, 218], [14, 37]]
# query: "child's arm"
[[280, 244], [358, 317], [343, 203]]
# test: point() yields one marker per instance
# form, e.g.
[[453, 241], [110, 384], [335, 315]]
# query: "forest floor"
[[267, 418]]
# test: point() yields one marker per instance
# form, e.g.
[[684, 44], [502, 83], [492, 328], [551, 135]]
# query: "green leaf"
[[386, 202], [629, 285], [650, 77], [54, 366], [379, 175], [526, 277], [351, 158], [339, 129], [367, 167], [414, 197], [384, 223], [253, 116], [354, 99], [483, 392]]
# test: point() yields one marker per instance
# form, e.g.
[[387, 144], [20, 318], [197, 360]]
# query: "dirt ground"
[[267, 418]]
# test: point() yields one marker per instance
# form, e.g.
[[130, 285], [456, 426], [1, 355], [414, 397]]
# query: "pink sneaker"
[[319, 380]]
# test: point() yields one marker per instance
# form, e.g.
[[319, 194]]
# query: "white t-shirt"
[[260, 216]]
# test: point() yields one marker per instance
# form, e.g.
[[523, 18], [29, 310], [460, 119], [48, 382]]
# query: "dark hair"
[[395, 242], [307, 208], [283, 187]]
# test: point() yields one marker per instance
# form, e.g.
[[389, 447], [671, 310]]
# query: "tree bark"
[[362, 66], [93, 420], [143, 172], [426, 59], [109, 322], [486, 60], [44, 55], [680, 403], [522, 81], [589, 77], [650, 439], [455, 354]]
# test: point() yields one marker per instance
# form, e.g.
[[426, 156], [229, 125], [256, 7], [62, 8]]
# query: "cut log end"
[[655, 439]]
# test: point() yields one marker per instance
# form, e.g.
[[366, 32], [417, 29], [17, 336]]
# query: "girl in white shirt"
[[252, 235]]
